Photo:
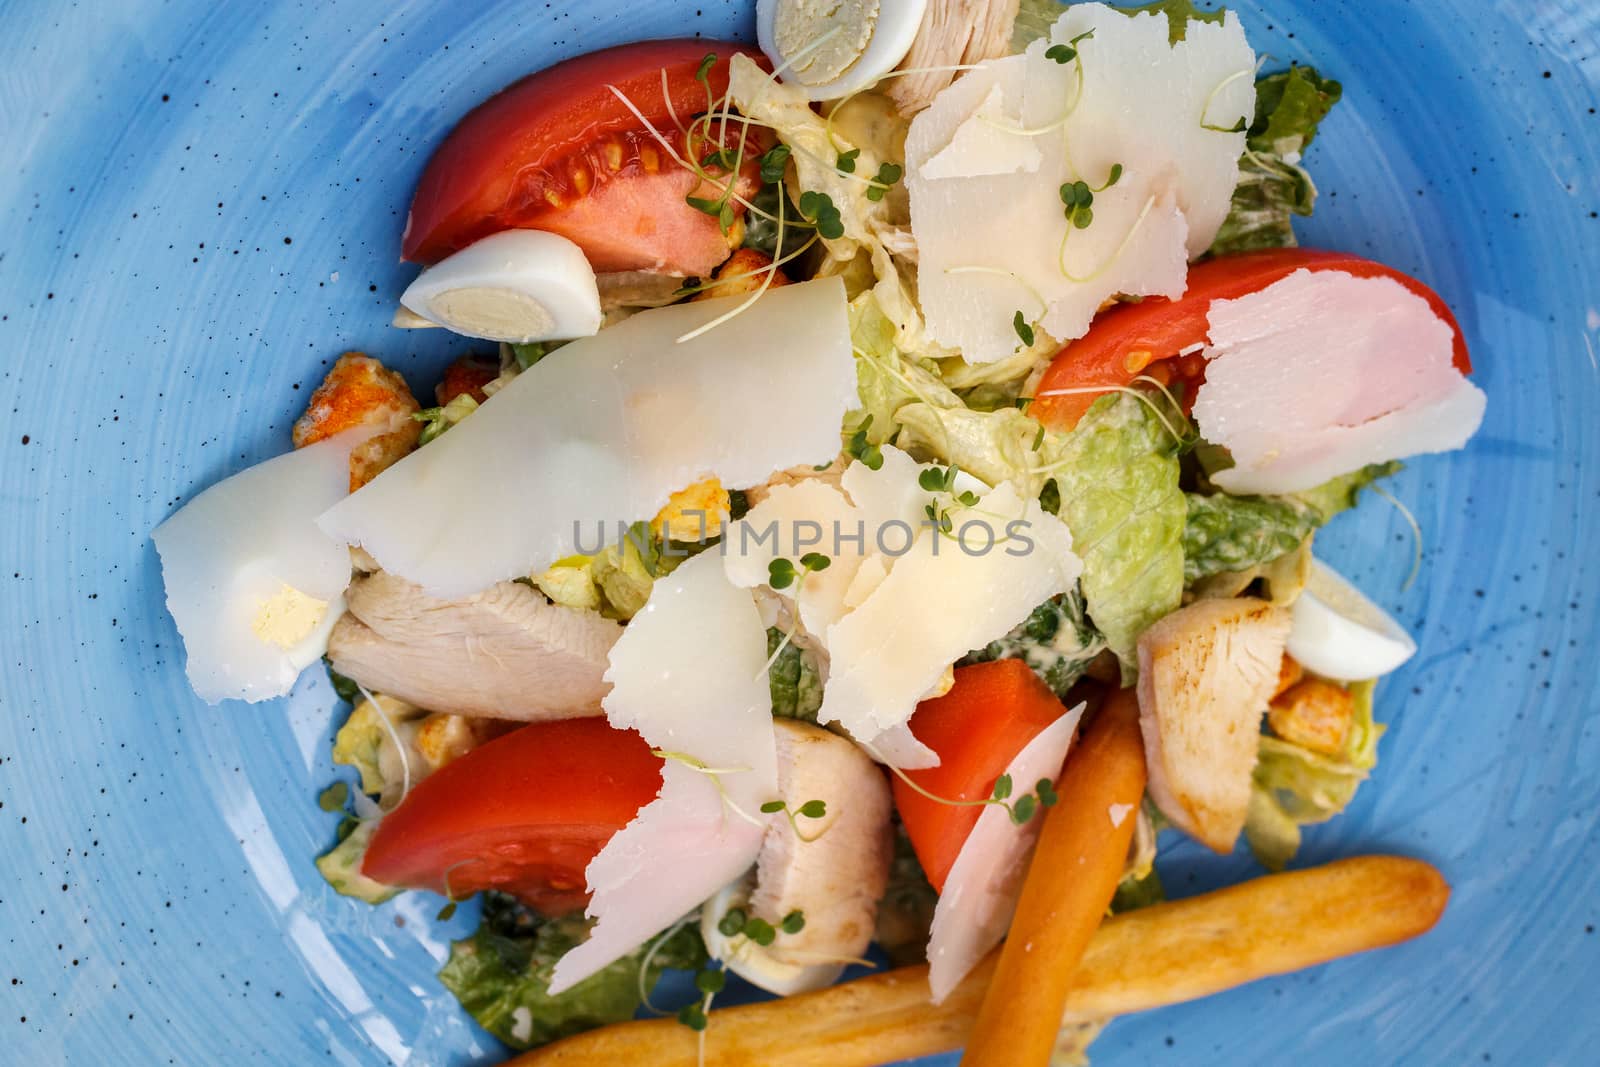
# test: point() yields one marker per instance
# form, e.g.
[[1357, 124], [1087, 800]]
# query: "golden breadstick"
[[1149, 958]]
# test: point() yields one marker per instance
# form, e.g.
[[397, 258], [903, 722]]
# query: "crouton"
[[359, 393], [1313, 714], [1206, 673], [742, 274]]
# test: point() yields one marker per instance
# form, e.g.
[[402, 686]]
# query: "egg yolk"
[[288, 617]]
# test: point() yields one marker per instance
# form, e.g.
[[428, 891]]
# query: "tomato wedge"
[[988, 717], [524, 813], [559, 151], [1134, 339]]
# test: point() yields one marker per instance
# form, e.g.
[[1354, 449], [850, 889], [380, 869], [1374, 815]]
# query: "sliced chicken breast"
[[505, 653]]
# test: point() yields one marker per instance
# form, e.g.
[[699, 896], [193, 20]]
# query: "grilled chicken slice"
[[1206, 674], [834, 876], [505, 653], [953, 32]]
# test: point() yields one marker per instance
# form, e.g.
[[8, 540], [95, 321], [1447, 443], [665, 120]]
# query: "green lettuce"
[[1234, 533], [793, 678], [1117, 473], [1273, 186], [1057, 641], [501, 976], [1290, 105], [1269, 193], [1178, 13], [341, 866], [886, 379], [1035, 17], [1343, 493], [1294, 787]]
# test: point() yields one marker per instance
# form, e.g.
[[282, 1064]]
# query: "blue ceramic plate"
[[200, 207]]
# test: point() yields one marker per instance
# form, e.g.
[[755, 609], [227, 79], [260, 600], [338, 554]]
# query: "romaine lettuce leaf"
[[795, 682], [340, 866], [1117, 472], [1290, 105], [501, 976], [1272, 185], [886, 380], [1057, 641], [1294, 787], [1234, 533], [1343, 493], [1270, 191]]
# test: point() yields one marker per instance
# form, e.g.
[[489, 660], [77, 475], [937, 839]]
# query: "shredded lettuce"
[[1290, 105], [1273, 186], [1295, 787], [1343, 493], [1057, 641], [341, 867], [794, 679], [1234, 533], [1270, 191], [501, 976], [1117, 473], [886, 379]]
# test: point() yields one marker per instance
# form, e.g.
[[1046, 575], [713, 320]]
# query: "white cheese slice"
[[689, 674], [1371, 380], [603, 431], [982, 145], [1144, 104], [981, 891], [251, 581], [793, 521], [940, 601]]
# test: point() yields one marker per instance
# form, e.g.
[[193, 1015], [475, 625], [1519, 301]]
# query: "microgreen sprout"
[[713, 773], [943, 480], [1020, 810], [1066, 53], [819, 210], [1127, 239], [888, 174], [793, 922], [846, 163], [811, 809], [859, 448], [782, 573], [1024, 330], [1238, 127], [773, 163]]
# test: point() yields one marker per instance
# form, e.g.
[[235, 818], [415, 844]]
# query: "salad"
[[882, 503]]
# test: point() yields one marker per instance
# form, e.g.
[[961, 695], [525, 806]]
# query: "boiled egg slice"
[[253, 584], [1338, 633], [832, 48], [518, 286]]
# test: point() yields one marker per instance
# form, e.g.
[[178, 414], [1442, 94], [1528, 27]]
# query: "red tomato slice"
[[1133, 339], [978, 728], [524, 813], [559, 151]]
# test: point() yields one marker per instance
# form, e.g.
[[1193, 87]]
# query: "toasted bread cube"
[[360, 393], [1313, 714]]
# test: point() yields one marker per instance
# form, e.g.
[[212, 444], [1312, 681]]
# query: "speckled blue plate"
[[200, 206]]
